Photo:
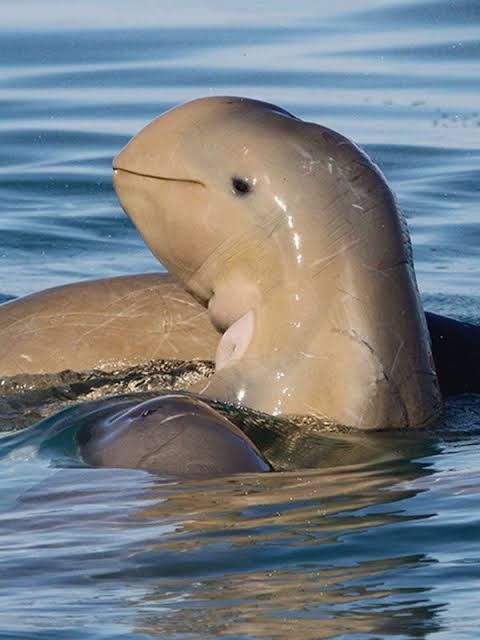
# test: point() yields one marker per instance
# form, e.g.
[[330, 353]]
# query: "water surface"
[[381, 540]]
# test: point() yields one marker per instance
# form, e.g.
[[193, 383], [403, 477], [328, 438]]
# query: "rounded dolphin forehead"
[[219, 107], [251, 139]]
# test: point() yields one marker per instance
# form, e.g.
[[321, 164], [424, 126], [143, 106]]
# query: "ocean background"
[[385, 543]]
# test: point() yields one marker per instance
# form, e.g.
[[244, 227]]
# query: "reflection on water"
[[381, 540], [320, 553], [373, 541], [275, 571], [235, 557]]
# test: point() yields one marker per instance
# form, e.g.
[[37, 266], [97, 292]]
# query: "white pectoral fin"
[[235, 341]]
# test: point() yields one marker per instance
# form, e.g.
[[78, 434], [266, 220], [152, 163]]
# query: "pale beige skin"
[[108, 324], [309, 274]]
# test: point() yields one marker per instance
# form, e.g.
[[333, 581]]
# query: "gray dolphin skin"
[[174, 435], [289, 264]]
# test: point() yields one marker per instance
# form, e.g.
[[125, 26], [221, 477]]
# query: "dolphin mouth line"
[[154, 177]]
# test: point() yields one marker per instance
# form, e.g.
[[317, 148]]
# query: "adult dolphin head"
[[292, 238]]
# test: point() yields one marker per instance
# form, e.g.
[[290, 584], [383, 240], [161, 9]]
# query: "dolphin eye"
[[240, 186]]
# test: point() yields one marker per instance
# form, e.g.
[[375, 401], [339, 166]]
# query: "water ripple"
[[386, 546]]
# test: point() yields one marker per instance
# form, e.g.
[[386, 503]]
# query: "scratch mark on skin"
[[327, 260], [29, 325], [179, 300], [165, 339], [132, 294], [20, 321], [395, 359], [122, 314], [271, 226], [190, 320], [384, 271], [143, 459], [41, 316], [226, 251], [68, 321], [353, 335], [70, 325], [350, 295]]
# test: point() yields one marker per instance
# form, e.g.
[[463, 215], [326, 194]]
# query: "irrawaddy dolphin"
[[288, 258], [291, 238], [173, 434]]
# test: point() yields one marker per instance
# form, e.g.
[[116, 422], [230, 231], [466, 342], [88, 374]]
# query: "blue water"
[[382, 540]]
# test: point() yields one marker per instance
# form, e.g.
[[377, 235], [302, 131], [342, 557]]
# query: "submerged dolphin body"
[[173, 435]]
